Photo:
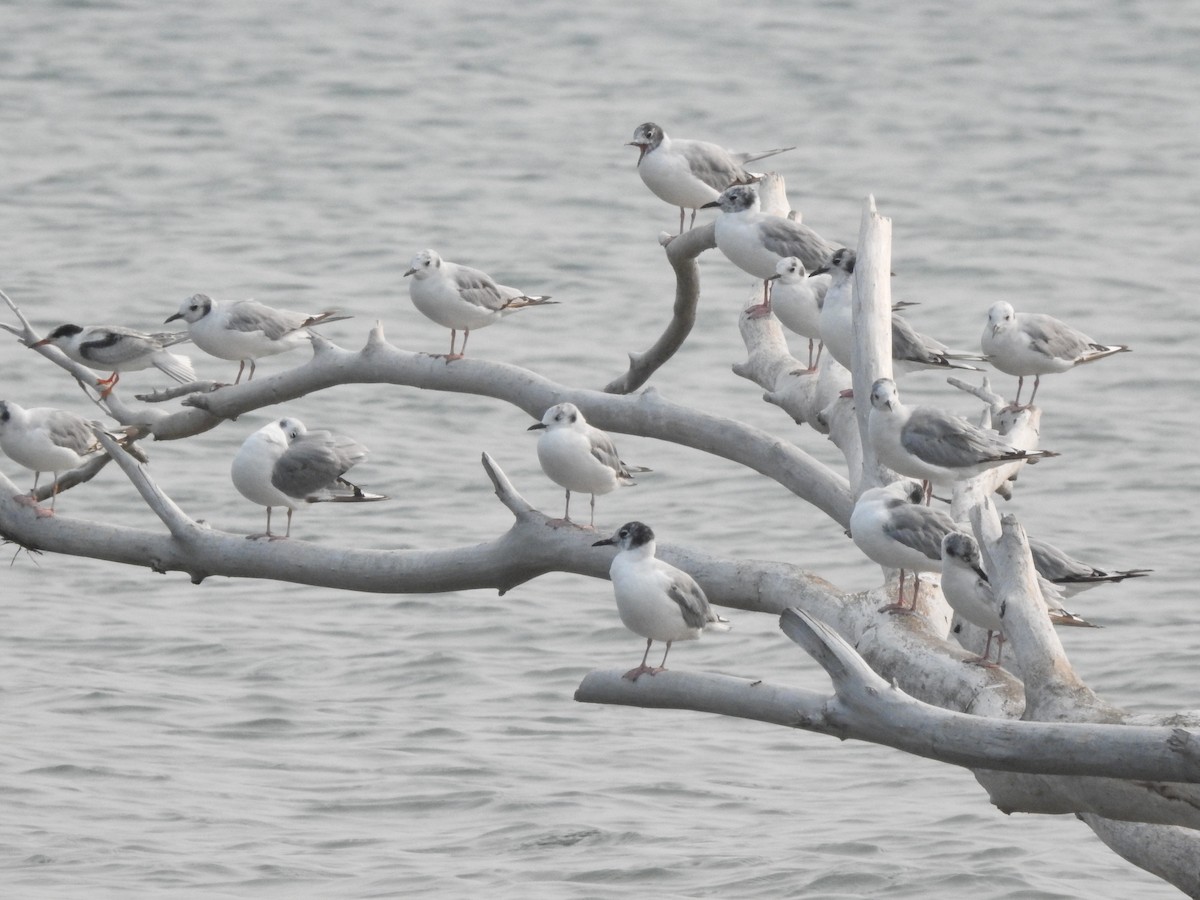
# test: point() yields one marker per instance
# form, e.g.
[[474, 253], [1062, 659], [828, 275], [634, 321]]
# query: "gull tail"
[[344, 492], [1098, 576], [178, 367], [323, 318], [717, 623], [171, 338], [515, 303], [1099, 351], [744, 158], [1062, 617]]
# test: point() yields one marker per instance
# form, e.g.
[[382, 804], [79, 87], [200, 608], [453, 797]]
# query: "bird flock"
[[807, 284]]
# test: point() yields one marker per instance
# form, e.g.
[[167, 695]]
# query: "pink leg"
[[642, 669]]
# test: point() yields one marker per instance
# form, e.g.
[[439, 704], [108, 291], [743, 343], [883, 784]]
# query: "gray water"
[[246, 739]]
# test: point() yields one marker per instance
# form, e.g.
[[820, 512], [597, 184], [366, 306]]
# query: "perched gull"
[[461, 298], [930, 443], [892, 529], [43, 439], [120, 350], [655, 599], [1070, 575], [284, 464], [1034, 344], [755, 241], [246, 330], [968, 590], [689, 174], [911, 351], [796, 299], [578, 457]]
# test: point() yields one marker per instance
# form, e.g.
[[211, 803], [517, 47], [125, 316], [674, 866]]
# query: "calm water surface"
[[244, 739]]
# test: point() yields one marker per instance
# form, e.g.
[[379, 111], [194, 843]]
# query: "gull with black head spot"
[[461, 298], [1034, 344], [117, 349], [796, 300], [247, 330], [689, 174], [932, 444], [43, 439], [755, 242], [285, 464], [579, 457], [655, 599]]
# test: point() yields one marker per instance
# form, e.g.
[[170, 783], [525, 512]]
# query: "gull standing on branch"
[[968, 590], [461, 298], [689, 174], [911, 351], [755, 242], [284, 464], [1034, 344], [655, 599], [579, 457], [930, 443], [247, 330], [118, 350], [796, 299], [43, 439], [892, 529]]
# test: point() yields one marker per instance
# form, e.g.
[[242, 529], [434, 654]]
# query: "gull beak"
[[642, 149], [409, 272], [773, 277], [819, 271], [536, 426], [710, 204], [172, 318], [42, 343], [604, 542]]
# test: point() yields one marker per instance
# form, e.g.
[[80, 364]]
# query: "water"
[[245, 739]]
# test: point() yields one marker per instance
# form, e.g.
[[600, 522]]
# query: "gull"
[[930, 443], [1034, 344], [968, 590], [796, 299], [461, 298], [655, 599], [892, 529], [911, 350], [44, 439], [1070, 575], [120, 350], [579, 457], [246, 330], [285, 464], [689, 174], [755, 241]]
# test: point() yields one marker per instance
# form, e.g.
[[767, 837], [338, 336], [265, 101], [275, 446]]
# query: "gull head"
[[561, 415], [884, 396], [424, 264], [646, 137], [629, 536], [59, 336], [841, 264], [962, 547], [737, 198], [788, 270], [1000, 317], [193, 309]]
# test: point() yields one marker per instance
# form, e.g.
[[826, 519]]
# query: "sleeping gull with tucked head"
[[755, 242], [579, 457], [284, 464], [461, 298], [246, 330], [117, 350], [44, 439], [689, 174], [655, 599], [1034, 344]]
